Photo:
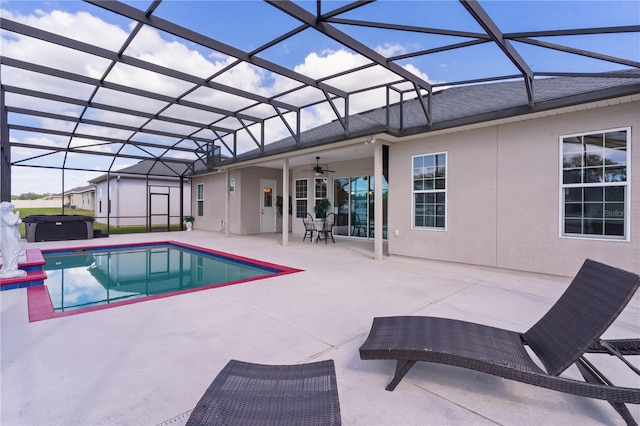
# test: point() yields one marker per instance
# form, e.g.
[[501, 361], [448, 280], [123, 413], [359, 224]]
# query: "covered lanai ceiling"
[[101, 85]]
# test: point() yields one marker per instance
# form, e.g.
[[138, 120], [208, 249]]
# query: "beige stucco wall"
[[244, 203], [471, 195], [215, 187], [503, 196], [129, 199]]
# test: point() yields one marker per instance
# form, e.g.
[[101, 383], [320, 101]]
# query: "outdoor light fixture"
[[370, 141]]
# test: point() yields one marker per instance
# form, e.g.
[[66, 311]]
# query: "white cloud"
[[79, 26], [152, 46], [317, 65], [390, 49]]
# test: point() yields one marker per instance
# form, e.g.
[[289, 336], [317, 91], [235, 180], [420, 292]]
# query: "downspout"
[[227, 208]]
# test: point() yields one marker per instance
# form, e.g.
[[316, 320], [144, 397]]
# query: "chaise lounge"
[[247, 394], [571, 328]]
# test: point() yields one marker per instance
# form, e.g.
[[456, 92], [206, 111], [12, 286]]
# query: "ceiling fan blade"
[[318, 169]]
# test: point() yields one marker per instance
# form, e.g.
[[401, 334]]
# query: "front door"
[[267, 205]]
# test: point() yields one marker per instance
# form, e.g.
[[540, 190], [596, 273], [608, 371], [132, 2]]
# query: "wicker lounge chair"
[[256, 394], [571, 328]]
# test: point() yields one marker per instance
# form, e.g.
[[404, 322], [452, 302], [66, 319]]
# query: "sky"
[[249, 24]]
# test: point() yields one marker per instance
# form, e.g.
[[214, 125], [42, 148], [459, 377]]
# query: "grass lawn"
[[24, 212]]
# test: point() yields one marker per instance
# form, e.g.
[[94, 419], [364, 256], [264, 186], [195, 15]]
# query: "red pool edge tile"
[[33, 258], [40, 307], [32, 265]]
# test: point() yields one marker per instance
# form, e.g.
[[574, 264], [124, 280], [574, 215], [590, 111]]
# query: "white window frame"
[[316, 199], [200, 199], [626, 184], [445, 191], [305, 198]]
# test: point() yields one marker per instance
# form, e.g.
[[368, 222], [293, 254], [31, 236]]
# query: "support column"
[[227, 207], [377, 200], [5, 152], [285, 202]]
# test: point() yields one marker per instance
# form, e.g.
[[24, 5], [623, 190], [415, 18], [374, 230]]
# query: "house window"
[[429, 191], [320, 191], [595, 184], [267, 197], [301, 198], [200, 199]]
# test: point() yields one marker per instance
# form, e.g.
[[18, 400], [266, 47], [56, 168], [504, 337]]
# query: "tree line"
[[29, 196]]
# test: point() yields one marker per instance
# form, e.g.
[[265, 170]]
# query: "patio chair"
[[327, 229], [309, 227], [571, 328], [255, 394]]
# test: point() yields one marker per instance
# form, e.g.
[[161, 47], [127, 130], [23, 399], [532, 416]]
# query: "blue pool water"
[[83, 278]]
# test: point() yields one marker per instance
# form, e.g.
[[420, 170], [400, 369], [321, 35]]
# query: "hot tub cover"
[[42, 218]]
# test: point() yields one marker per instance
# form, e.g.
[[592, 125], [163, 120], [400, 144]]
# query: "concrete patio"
[[148, 363]]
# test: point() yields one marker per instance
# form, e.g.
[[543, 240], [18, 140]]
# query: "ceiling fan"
[[318, 170]]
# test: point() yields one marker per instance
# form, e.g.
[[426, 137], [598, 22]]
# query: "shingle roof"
[[149, 168], [459, 106], [80, 189]]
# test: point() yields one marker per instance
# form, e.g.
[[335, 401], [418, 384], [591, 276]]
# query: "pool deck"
[[149, 363]]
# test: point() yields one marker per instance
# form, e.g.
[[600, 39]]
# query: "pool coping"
[[34, 274], [40, 306]]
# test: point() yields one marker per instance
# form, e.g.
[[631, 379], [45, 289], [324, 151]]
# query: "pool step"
[[33, 265]]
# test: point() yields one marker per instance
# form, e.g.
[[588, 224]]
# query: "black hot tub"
[[58, 227]]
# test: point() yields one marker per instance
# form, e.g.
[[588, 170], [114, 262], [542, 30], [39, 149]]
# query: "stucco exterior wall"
[[536, 206], [215, 187], [244, 202], [129, 199], [471, 199], [503, 196]]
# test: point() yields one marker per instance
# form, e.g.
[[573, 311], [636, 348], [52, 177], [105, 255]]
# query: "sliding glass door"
[[353, 199]]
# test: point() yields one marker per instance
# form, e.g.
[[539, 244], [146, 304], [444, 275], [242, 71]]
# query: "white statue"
[[10, 241]]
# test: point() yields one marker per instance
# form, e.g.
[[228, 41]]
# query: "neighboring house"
[[148, 193], [491, 183], [82, 197], [53, 197]]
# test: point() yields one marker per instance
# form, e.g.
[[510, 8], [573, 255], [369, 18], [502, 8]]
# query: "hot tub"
[[58, 227]]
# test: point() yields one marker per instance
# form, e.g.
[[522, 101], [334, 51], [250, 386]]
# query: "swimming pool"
[[89, 278]]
